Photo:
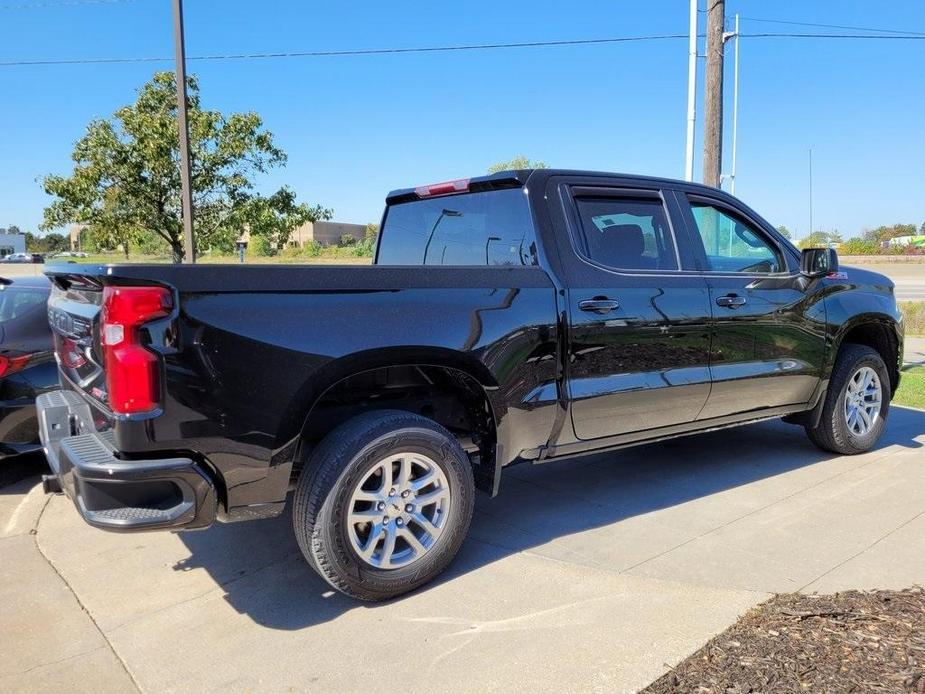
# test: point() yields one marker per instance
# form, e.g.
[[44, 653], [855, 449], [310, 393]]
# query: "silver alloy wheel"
[[398, 510], [863, 398]]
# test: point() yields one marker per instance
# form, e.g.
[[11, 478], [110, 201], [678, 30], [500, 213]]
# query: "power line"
[[834, 36], [434, 49], [366, 51], [833, 26], [64, 3]]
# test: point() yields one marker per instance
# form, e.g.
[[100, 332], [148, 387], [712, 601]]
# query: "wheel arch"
[[880, 333], [454, 389]]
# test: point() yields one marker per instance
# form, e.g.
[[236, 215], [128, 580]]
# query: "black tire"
[[334, 470], [832, 432]]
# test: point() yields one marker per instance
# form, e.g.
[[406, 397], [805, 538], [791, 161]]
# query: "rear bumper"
[[115, 494]]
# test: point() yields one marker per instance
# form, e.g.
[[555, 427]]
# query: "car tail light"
[[449, 188], [10, 365], [131, 368], [70, 353]]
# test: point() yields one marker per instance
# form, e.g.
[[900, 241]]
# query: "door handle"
[[731, 301], [599, 304]]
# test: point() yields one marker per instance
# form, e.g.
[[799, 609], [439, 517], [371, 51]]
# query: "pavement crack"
[[754, 511], [38, 546], [866, 549], [39, 666]]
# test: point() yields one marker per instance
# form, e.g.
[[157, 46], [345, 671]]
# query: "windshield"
[[488, 228]]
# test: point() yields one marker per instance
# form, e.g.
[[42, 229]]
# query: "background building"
[[11, 243], [327, 233], [74, 232]]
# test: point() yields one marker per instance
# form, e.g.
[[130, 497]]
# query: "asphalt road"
[[908, 277], [590, 575]]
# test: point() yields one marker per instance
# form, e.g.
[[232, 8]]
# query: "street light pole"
[[735, 111], [691, 93], [186, 192]]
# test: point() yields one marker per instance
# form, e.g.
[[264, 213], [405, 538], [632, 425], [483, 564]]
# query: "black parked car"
[[27, 361], [522, 317]]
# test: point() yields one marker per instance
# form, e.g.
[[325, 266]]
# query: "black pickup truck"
[[526, 316]]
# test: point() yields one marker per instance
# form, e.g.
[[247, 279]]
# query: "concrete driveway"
[[591, 575]]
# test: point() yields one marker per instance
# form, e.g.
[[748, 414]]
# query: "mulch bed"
[[848, 642]]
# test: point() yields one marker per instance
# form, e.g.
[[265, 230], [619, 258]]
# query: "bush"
[[260, 245], [347, 240], [312, 249], [858, 246]]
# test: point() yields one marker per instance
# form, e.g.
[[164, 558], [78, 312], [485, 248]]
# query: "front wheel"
[[857, 403], [383, 504]]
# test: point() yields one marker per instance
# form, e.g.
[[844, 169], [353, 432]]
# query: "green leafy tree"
[[820, 238], [13, 229], [883, 234], [784, 231], [137, 153], [55, 243], [274, 218], [518, 162]]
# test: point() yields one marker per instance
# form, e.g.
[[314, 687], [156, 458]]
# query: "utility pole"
[[691, 93], [186, 191], [810, 191], [713, 100]]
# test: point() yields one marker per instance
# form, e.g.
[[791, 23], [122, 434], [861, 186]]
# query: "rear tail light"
[[10, 365], [131, 368]]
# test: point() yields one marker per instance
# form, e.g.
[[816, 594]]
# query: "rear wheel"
[[383, 504], [857, 403]]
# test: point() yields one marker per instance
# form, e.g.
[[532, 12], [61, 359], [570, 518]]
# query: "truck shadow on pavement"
[[264, 575]]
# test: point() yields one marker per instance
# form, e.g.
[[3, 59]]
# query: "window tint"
[[733, 246], [627, 234], [488, 228]]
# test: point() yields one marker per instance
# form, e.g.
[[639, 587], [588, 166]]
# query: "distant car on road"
[[68, 254], [27, 362], [18, 258]]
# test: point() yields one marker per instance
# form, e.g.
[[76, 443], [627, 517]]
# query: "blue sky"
[[356, 127]]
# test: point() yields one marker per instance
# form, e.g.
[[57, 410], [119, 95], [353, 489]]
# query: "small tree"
[[784, 231], [820, 238], [275, 218], [884, 233], [136, 152], [518, 162]]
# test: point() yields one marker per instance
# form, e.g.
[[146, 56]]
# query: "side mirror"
[[818, 262]]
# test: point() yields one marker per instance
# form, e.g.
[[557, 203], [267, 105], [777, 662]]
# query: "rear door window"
[[487, 228], [626, 233]]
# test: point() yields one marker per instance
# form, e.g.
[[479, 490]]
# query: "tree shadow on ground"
[[264, 575]]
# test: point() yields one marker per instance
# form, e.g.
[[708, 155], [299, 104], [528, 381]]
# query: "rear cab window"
[[487, 228], [625, 231]]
